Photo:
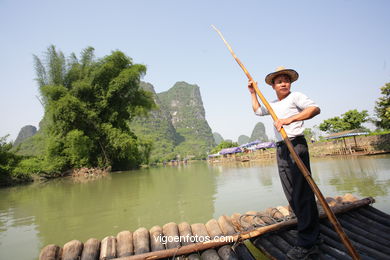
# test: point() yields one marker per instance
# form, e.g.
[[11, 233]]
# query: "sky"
[[341, 50]]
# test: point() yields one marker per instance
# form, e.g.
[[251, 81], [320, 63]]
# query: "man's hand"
[[250, 87], [280, 122]]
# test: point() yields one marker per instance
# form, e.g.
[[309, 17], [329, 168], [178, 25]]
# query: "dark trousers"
[[298, 192]]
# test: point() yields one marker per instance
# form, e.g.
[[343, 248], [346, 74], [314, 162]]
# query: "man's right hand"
[[250, 87]]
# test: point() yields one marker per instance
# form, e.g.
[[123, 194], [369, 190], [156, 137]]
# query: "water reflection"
[[363, 176]]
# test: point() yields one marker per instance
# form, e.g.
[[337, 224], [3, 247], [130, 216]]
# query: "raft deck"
[[258, 235]]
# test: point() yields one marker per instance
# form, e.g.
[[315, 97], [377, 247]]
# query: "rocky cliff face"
[[258, 133], [178, 125], [184, 103], [157, 127], [24, 133]]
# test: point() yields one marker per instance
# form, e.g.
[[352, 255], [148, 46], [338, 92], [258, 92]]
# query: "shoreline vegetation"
[[369, 145]]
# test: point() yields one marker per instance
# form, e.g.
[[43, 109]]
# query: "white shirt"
[[293, 104]]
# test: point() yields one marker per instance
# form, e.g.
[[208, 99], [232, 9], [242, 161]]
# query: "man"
[[291, 109]]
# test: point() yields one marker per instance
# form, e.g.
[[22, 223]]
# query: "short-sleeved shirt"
[[293, 104]]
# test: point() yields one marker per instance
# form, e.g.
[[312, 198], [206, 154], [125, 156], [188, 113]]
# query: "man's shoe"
[[298, 252]]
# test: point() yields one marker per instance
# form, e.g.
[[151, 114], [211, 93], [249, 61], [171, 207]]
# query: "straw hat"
[[279, 71]]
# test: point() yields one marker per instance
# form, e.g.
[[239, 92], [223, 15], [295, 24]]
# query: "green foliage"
[[223, 145], [8, 163], [350, 120], [382, 108], [89, 104], [32, 146]]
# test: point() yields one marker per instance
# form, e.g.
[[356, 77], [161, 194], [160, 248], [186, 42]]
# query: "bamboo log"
[[194, 257], [369, 251], [378, 212], [171, 231], [366, 226], [156, 234], [185, 231], [363, 240], [283, 210], [274, 213], [369, 214], [364, 232], [279, 242], [124, 245], [226, 253], [91, 249], [108, 248], [210, 254], [141, 241], [235, 220], [349, 198], [50, 252], [199, 231], [244, 235], [266, 219], [331, 201], [267, 246], [72, 250], [226, 225], [370, 222], [213, 228], [248, 221]]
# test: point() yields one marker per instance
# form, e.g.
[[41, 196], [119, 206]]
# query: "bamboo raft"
[[271, 234]]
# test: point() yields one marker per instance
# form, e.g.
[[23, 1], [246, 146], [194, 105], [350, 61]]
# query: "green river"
[[61, 210]]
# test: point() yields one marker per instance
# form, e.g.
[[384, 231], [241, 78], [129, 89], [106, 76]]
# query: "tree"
[[89, 104], [382, 108], [350, 120], [308, 133], [223, 145], [8, 162]]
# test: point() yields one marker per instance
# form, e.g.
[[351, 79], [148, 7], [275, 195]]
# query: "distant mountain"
[[243, 139], [258, 133], [158, 128], [24, 133], [185, 106], [217, 138]]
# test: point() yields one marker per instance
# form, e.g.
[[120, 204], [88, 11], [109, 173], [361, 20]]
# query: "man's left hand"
[[280, 122]]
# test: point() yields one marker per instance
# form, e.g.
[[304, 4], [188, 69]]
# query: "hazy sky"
[[341, 50]]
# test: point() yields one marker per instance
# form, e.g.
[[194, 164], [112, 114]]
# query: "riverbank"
[[359, 145], [77, 174]]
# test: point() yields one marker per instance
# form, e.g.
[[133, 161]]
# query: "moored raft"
[[268, 234]]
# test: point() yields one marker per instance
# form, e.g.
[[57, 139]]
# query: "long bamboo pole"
[[332, 218]]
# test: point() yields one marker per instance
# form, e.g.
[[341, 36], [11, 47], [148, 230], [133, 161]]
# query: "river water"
[[61, 210]]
